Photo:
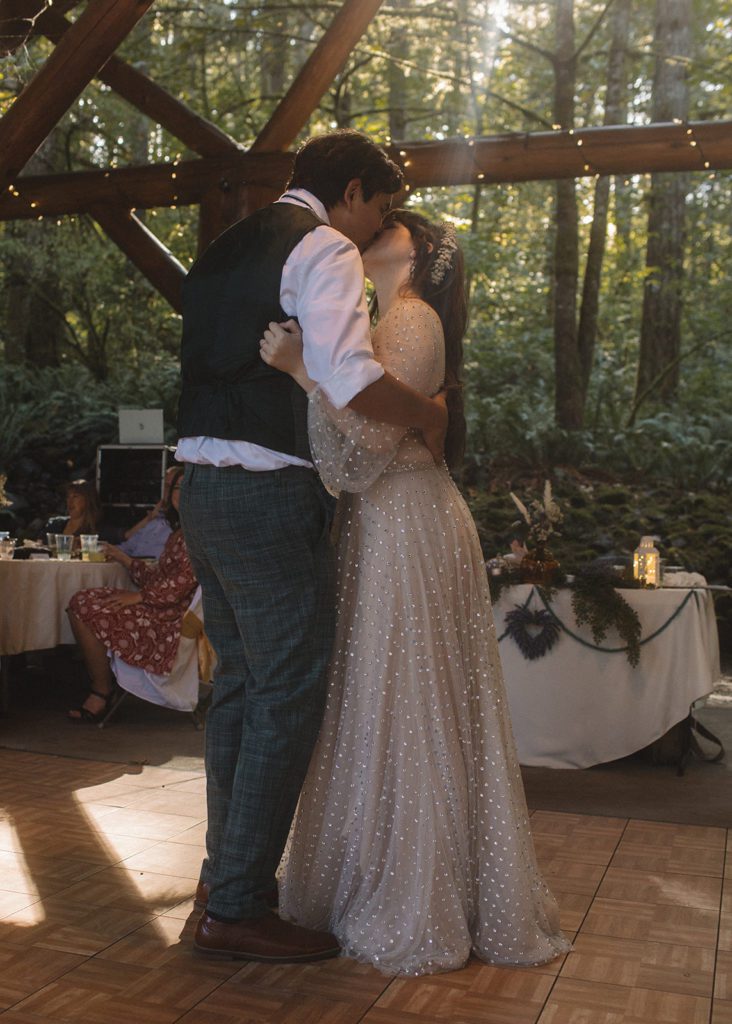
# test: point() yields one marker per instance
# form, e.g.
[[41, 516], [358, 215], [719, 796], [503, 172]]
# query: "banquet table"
[[34, 595], [577, 706]]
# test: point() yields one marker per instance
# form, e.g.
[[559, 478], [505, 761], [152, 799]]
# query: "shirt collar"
[[300, 197]]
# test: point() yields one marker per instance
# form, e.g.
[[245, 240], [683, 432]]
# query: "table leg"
[[4, 684]]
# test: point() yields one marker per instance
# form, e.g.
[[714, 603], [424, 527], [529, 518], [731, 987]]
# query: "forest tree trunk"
[[569, 396], [660, 337], [615, 111]]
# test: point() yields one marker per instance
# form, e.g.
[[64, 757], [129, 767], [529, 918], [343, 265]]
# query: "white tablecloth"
[[34, 596], [576, 707]]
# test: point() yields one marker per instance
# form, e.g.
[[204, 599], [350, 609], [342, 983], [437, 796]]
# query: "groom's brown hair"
[[326, 163]]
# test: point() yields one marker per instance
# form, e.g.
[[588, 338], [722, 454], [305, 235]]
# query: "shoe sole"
[[228, 954]]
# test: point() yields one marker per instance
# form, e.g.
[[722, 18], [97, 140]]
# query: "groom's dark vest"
[[229, 296]]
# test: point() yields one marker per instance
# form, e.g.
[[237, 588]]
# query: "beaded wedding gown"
[[411, 840]]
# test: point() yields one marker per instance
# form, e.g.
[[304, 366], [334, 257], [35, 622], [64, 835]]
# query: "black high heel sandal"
[[82, 714]]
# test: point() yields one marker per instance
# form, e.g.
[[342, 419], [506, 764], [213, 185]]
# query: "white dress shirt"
[[322, 285]]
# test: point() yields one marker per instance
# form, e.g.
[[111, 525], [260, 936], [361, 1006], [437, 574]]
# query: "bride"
[[411, 840]]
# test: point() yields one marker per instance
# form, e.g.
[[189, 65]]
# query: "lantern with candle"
[[647, 563]]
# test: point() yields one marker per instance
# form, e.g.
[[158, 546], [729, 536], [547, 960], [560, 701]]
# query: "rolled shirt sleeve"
[[323, 286]]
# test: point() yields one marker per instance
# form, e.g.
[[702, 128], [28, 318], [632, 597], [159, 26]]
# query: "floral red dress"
[[145, 635]]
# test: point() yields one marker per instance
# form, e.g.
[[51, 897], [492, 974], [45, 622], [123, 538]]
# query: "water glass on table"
[[64, 546], [7, 548], [90, 550]]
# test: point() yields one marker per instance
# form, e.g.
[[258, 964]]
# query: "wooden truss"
[[227, 181]]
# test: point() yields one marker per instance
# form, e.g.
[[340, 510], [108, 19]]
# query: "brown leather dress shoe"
[[268, 939], [203, 892]]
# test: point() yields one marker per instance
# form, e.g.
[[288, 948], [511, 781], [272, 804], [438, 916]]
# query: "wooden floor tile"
[[171, 801], [196, 785], [582, 1002], [195, 836], [692, 860], [573, 908], [150, 776], [126, 821], [10, 902], [721, 1011], [723, 982], [667, 888], [660, 833], [563, 875], [72, 928], [147, 892], [332, 992], [100, 992], [25, 969], [41, 875], [686, 970], [725, 932], [631, 920], [495, 996], [116, 793], [170, 858], [558, 823]]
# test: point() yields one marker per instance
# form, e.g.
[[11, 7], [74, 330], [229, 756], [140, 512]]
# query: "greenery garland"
[[597, 603]]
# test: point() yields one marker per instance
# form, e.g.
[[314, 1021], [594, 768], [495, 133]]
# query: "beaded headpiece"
[[445, 252]]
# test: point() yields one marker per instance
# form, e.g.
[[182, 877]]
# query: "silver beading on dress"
[[445, 252]]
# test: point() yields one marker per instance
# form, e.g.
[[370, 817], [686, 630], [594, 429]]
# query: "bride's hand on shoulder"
[[281, 347]]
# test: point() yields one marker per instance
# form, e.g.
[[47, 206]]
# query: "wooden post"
[[87, 45]]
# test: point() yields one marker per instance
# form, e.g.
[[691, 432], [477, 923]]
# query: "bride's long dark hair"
[[448, 299]]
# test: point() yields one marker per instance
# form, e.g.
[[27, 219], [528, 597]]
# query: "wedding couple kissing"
[[364, 796]]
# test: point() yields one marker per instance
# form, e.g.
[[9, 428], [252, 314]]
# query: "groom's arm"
[[390, 401]]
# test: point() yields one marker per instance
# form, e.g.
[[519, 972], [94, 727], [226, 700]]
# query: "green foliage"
[[597, 603], [65, 413]]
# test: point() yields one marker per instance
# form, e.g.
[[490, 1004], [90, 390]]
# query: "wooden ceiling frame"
[[228, 181], [500, 159], [227, 198], [78, 56]]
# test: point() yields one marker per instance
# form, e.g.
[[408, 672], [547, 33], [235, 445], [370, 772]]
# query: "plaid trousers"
[[259, 544]]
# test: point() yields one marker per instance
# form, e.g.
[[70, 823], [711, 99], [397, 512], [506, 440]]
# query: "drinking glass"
[[51, 543], [4, 535], [7, 548], [64, 546], [90, 547]]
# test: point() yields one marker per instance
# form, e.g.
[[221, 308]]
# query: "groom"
[[256, 517]]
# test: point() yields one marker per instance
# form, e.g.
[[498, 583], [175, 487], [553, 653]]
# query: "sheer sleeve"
[[351, 451]]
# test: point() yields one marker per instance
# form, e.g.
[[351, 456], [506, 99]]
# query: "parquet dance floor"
[[98, 863]]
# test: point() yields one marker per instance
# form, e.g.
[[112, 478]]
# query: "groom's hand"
[[434, 437]]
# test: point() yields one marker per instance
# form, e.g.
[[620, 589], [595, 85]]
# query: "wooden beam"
[[316, 75], [147, 252], [542, 156], [82, 51], [142, 92], [175, 184]]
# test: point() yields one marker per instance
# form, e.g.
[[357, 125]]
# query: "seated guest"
[[143, 627], [85, 513], [147, 538]]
